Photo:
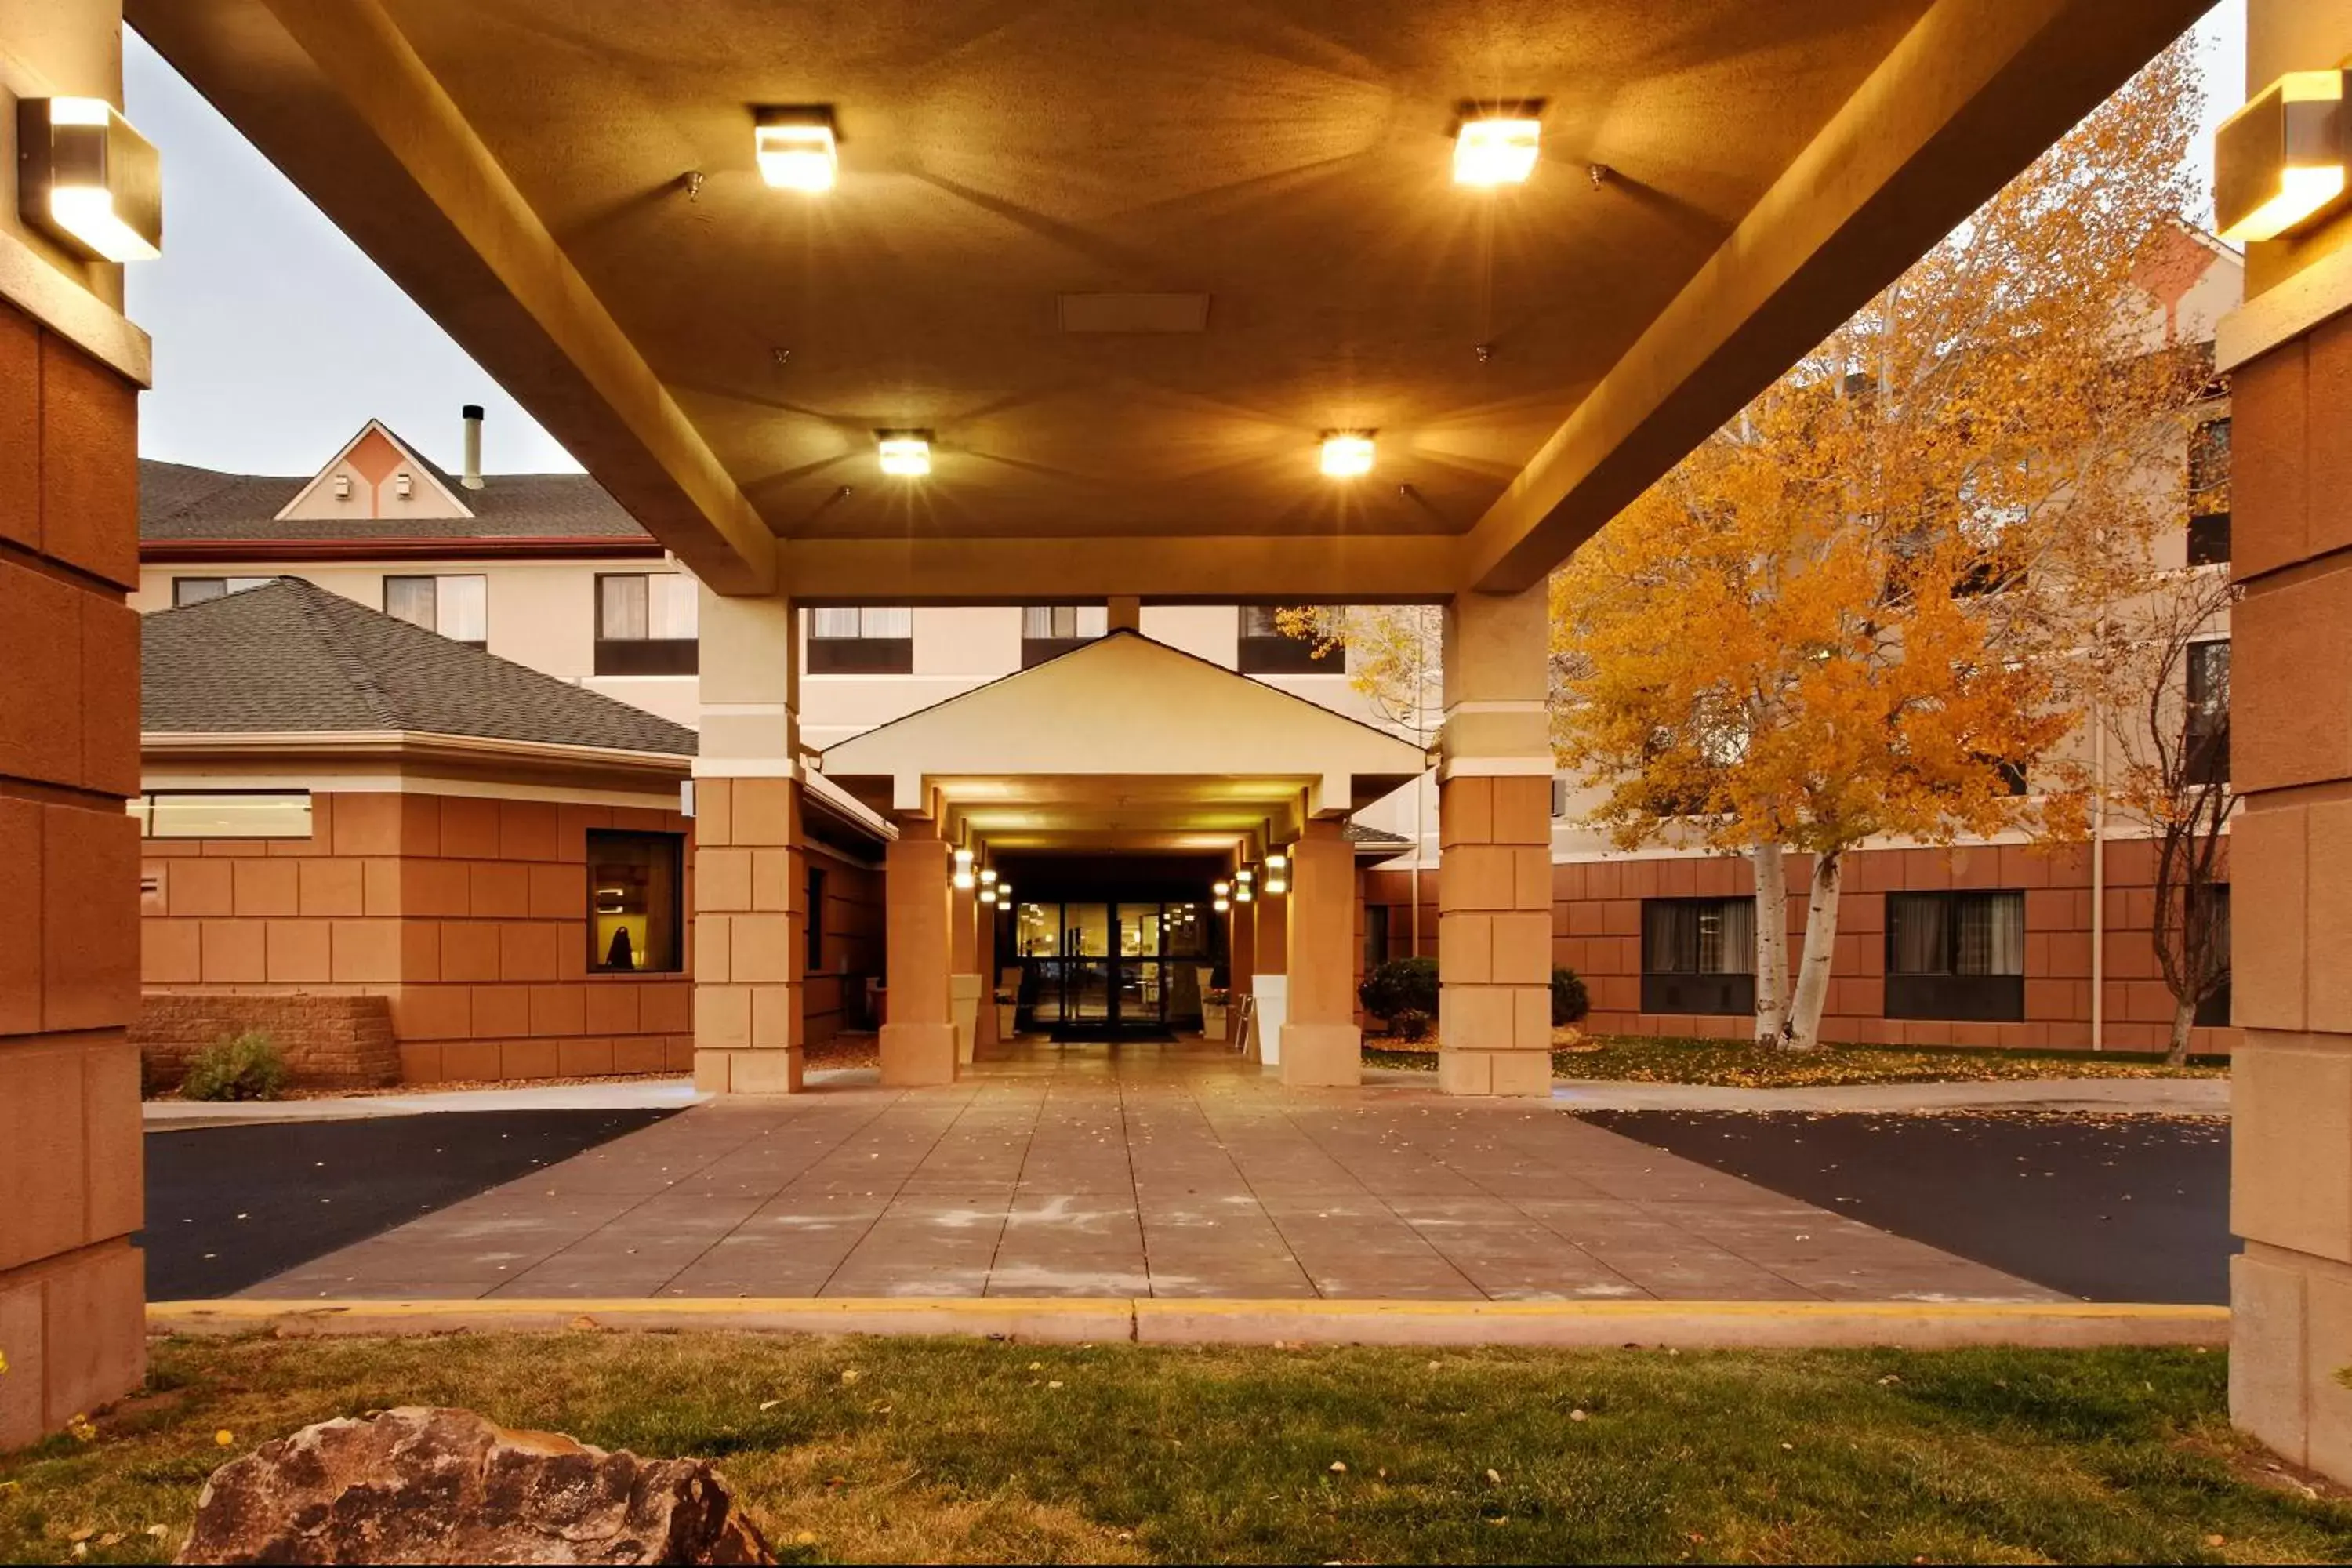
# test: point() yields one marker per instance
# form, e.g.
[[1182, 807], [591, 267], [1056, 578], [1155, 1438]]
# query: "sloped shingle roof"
[[292, 657], [180, 502]]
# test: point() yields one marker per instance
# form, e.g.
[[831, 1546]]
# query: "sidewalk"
[[2101, 1096]]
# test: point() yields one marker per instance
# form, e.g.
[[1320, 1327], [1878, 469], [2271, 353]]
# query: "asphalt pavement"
[[229, 1206], [2108, 1208]]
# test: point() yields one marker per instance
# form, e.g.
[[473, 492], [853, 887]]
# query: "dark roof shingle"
[[292, 657], [177, 502]]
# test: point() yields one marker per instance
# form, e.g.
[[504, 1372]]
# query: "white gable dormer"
[[378, 476]]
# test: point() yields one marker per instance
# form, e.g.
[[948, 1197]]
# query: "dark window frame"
[[645, 654], [813, 941], [861, 653], [2214, 1012], [2205, 732], [179, 601], [383, 603], [1712, 994], [1279, 653], [675, 843], [1950, 993]]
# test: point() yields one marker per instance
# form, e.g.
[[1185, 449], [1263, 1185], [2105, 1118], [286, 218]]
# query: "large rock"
[[445, 1486]]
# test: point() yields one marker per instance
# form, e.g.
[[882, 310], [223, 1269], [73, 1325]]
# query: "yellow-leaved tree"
[[1862, 610]]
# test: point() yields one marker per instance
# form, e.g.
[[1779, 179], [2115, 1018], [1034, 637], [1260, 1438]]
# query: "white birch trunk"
[[1772, 944], [1821, 942]]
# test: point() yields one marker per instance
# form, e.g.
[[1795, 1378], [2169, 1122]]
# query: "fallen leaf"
[[1338, 1466], [850, 1375], [1494, 1479], [1578, 1415], [769, 1404], [225, 1437]]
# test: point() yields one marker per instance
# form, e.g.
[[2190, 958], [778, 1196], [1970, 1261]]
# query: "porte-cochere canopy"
[[1125, 743]]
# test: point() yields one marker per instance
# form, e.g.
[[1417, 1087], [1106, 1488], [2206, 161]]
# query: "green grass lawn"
[[1646, 1058], [971, 1450]]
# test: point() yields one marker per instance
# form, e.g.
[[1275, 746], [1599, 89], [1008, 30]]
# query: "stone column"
[[918, 1041], [71, 1285], [1494, 816], [966, 992], [1321, 1044], [1270, 967], [750, 877], [2289, 355]]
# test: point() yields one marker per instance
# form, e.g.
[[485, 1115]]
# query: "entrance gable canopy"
[[1126, 742]]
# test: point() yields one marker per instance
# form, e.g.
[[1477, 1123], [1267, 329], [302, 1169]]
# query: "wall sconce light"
[[988, 877], [1004, 892], [988, 895], [1277, 873], [2279, 161], [794, 148], [1347, 454], [1243, 894], [963, 877], [88, 179], [1224, 904]]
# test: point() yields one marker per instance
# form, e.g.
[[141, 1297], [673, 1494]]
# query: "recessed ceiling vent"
[[1135, 313]]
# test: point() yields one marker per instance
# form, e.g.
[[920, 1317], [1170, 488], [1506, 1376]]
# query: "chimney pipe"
[[472, 413]]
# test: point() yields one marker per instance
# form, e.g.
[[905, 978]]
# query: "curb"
[[1585, 1325]]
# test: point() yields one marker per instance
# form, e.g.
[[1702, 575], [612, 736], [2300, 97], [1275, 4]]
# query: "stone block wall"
[[467, 914], [1596, 930], [71, 1285], [329, 1042]]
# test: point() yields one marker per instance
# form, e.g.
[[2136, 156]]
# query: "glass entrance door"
[[1101, 968]]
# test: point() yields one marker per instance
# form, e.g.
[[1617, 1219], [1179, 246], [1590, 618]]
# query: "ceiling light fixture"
[[1495, 147], [794, 148], [2279, 161], [905, 453], [88, 179], [1347, 454]]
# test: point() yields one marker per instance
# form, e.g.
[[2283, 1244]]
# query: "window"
[[2206, 756], [1956, 955], [635, 922], [223, 813], [1376, 936], [1049, 631], [196, 590], [456, 607], [1267, 649], [2214, 1012], [646, 623], [2209, 494], [870, 641], [815, 922], [1698, 955], [1558, 797]]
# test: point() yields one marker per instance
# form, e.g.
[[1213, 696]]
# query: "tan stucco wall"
[[542, 614]]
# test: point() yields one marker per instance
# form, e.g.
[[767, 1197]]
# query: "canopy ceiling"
[[571, 190]]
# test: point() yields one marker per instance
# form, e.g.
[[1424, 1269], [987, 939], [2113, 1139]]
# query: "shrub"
[[1569, 1003], [250, 1067], [1404, 991]]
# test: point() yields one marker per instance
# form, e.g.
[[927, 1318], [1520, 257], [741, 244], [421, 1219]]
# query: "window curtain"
[[1669, 937], [1919, 940], [622, 616], [890, 623], [833, 624], [411, 599], [673, 607], [1734, 949], [1992, 932], [463, 611]]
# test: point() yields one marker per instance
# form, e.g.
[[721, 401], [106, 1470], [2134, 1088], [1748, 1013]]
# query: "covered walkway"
[[1136, 1170]]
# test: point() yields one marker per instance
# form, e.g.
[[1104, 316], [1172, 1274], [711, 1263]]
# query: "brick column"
[[71, 1285], [1321, 1044], [2291, 850], [918, 1041], [1494, 817], [750, 878]]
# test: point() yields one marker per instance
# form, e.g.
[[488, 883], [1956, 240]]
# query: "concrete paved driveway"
[[1167, 1171]]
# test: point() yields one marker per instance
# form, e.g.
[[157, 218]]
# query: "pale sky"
[[275, 339]]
